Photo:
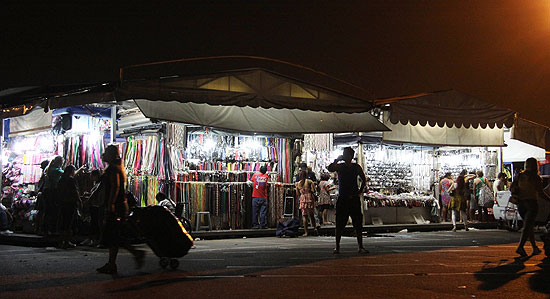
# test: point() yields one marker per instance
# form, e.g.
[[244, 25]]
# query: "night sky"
[[498, 51]]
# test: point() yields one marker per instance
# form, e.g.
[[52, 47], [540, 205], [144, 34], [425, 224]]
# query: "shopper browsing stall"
[[501, 183], [259, 198], [479, 183], [40, 200], [53, 175], [304, 191], [95, 204], [325, 202], [349, 203], [445, 185], [69, 200], [5, 219], [458, 203]]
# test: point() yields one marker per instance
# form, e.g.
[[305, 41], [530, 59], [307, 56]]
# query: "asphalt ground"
[[474, 264]]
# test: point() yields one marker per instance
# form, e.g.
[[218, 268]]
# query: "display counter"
[[405, 208]]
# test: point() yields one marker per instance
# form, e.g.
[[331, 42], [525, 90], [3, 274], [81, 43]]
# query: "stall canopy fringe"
[[450, 108], [248, 94], [531, 133]]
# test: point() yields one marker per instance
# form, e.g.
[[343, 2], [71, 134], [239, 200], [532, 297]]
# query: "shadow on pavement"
[[540, 280], [495, 277]]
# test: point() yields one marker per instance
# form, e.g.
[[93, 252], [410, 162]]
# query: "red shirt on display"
[[259, 186]]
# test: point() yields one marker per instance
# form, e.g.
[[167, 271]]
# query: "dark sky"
[[497, 50]]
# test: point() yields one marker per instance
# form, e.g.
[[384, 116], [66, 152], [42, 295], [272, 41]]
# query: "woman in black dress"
[[116, 210]]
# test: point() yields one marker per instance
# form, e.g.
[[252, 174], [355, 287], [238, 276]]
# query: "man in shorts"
[[349, 202]]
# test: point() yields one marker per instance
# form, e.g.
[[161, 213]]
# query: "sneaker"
[[107, 269], [6, 232], [362, 250], [336, 251]]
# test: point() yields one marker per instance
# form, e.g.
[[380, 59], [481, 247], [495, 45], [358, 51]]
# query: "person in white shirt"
[[500, 183], [164, 201]]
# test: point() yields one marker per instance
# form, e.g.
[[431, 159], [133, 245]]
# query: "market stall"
[[245, 115]]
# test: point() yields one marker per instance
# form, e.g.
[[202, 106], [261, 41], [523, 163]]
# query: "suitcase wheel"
[[174, 264], [164, 261]]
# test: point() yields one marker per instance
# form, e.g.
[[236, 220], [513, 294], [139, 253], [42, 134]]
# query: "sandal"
[[521, 252]]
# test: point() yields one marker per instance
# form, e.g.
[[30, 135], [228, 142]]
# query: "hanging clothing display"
[[224, 201], [144, 188], [81, 150], [318, 142]]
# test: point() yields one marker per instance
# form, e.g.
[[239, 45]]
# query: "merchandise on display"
[[229, 203], [398, 168], [376, 199], [80, 150], [318, 142], [24, 154], [471, 159]]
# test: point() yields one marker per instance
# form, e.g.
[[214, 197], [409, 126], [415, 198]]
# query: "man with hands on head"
[[349, 202]]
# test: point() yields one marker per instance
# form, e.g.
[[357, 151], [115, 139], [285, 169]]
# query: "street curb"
[[28, 240]]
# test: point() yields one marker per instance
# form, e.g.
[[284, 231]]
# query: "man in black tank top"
[[349, 202]]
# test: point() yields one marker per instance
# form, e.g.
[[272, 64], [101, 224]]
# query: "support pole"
[[1, 155], [113, 124]]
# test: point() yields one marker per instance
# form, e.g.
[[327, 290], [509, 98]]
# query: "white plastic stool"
[[198, 225]]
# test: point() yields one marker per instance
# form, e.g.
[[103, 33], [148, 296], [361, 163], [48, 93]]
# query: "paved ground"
[[412, 265]]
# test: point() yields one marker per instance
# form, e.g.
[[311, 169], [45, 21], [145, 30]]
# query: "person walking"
[[528, 188], [69, 200], [259, 198], [116, 210], [349, 202], [458, 203], [304, 191]]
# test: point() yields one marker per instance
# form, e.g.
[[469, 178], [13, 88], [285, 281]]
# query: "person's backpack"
[[288, 228]]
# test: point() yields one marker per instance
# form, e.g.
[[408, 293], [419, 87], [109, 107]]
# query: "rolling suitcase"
[[163, 232]]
